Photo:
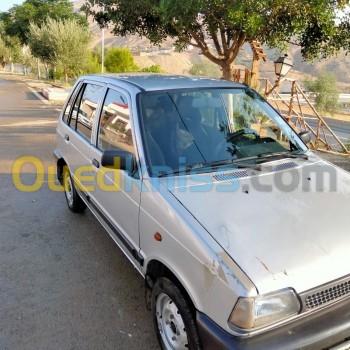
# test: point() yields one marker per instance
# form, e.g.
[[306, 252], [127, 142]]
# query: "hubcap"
[[170, 324], [68, 189]]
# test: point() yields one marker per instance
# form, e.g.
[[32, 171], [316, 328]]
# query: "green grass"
[[347, 144]]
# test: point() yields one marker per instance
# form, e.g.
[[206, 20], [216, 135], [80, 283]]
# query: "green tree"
[[219, 28], [10, 50], [62, 44], [205, 69], [4, 52], [18, 19], [120, 60], [40, 43], [27, 60], [326, 92]]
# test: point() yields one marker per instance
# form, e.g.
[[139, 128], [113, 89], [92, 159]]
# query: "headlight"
[[265, 310]]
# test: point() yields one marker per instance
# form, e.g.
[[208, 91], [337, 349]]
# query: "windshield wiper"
[[283, 155], [242, 163], [238, 164], [175, 172]]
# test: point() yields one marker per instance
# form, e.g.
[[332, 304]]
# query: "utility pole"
[[103, 46], [102, 43]]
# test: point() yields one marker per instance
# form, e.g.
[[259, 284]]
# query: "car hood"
[[281, 236]]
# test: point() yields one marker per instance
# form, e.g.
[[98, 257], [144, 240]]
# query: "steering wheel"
[[242, 132], [222, 145]]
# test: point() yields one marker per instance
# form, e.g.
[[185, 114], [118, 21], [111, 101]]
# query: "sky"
[[7, 4]]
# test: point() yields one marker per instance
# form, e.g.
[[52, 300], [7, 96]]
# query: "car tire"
[[74, 202], [173, 317]]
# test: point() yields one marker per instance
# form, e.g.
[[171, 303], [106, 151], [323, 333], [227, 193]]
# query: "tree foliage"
[[4, 52], [120, 60], [326, 92], [219, 28], [62, 44], [18, 19], [10, 50]]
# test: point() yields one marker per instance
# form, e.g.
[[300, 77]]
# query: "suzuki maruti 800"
[[241, 233]]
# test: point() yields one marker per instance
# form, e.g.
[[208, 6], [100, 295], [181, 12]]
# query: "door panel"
[[117, 193], [79, 134]]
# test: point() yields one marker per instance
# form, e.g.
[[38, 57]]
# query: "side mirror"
[[122, 160], [305, 136]]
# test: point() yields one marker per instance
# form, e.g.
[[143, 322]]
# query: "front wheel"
[[75, 203], [173, 317]]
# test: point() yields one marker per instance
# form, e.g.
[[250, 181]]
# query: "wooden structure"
[[251, 76], [258, 56], [298, 110], [301, 114]]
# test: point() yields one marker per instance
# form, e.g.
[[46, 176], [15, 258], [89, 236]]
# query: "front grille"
[[328, 295]]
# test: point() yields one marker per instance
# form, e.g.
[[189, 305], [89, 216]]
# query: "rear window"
[[69, 106], [87, 110]]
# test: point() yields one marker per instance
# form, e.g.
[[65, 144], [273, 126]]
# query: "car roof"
[[156, 82]]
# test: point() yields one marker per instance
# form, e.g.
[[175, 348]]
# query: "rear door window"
[[88, 109]]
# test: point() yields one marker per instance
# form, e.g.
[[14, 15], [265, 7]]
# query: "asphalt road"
[[341, 128], [64, 284]]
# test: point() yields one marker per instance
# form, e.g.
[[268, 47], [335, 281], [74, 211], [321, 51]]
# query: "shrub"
[[156, 68], [120, 60], [347, 144]]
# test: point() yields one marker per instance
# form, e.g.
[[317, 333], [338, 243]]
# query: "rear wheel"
[[173, 317], [74, 202]]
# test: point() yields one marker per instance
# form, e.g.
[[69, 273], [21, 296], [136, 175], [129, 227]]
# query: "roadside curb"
[[38, 95]]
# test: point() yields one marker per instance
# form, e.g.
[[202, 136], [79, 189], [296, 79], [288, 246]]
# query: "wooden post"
[[290, 109], [38, 67], [258, 54]]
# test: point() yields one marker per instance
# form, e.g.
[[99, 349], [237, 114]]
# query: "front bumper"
[[322, 330]]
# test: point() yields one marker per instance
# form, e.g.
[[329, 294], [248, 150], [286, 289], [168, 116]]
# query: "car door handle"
[[96, 163], [66, 137]]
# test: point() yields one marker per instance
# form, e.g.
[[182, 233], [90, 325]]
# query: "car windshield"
[[186, 128]]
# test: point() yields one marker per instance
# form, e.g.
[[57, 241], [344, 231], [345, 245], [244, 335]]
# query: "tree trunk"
[[227, 71]]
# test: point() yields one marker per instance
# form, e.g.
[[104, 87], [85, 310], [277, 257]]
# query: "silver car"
[[241, 233]]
